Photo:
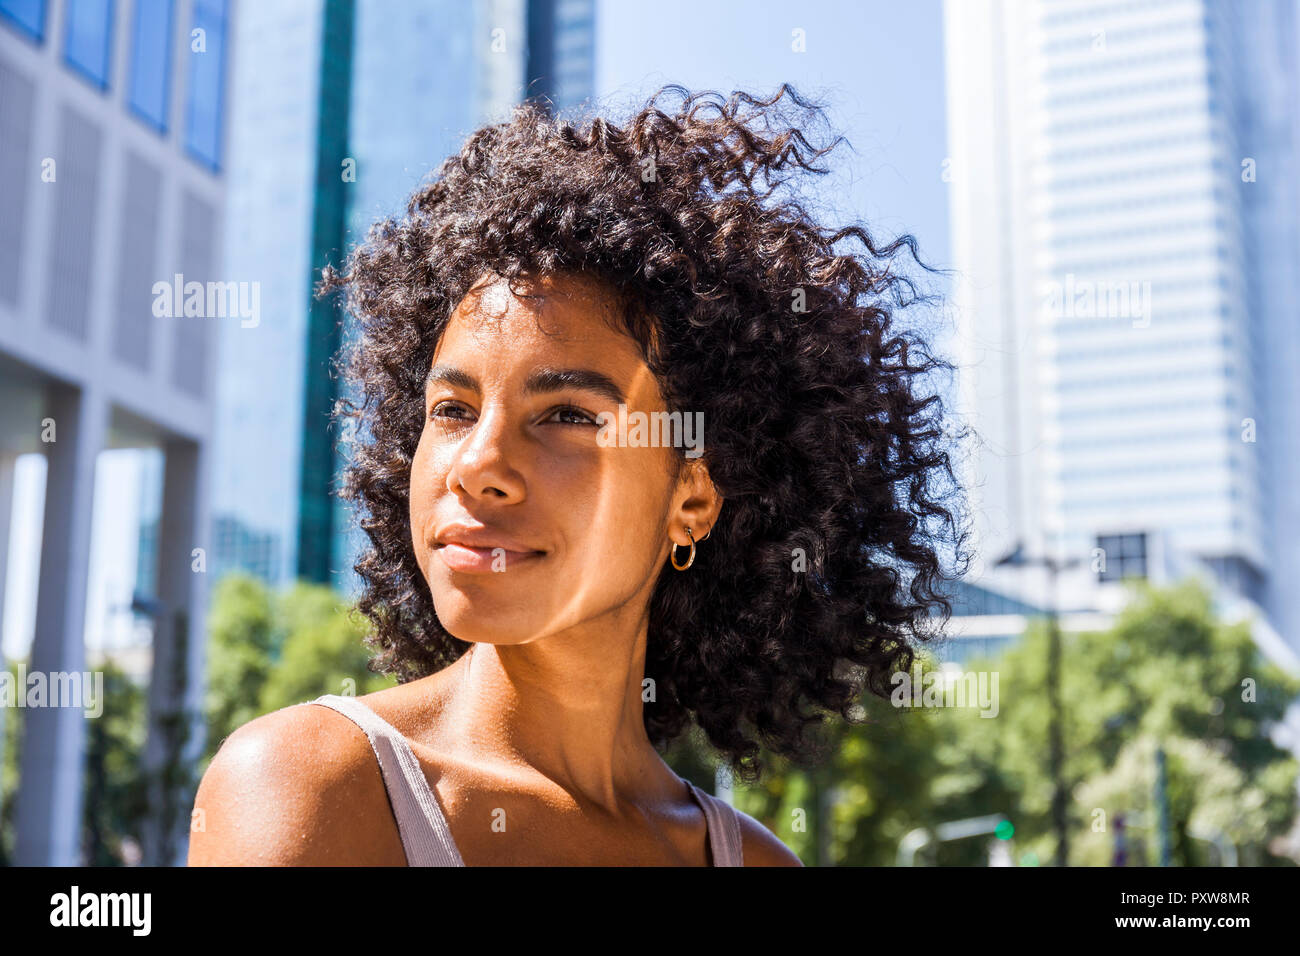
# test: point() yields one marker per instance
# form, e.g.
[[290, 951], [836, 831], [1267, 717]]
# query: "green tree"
[[1166, 672], [114, 789], [267, 651], [855, 807], [13, 733], [241, 651], [322, 650]]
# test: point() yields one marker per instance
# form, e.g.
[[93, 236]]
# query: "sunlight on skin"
[[554, 679]]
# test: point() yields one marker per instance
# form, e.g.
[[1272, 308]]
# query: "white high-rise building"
[[1123, 214]]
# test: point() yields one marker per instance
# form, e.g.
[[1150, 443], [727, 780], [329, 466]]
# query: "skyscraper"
[[341, 108], [275, 107], [1123, 201]]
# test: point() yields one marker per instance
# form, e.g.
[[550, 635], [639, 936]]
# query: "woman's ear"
[[697, 503]]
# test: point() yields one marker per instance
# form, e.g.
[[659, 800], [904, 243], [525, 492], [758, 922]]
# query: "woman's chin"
[[486, 622]]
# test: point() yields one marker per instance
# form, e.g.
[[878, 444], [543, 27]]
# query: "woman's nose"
[[481, 465]]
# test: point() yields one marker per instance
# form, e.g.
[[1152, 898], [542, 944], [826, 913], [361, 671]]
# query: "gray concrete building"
[[112, 120]]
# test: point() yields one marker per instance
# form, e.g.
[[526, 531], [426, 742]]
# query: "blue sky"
[[878, 66]]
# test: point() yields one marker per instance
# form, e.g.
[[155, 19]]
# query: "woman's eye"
[[568, 415], [442, 408], [578, 413]]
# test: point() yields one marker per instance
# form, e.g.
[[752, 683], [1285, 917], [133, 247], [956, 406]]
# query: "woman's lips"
[[461, 557]]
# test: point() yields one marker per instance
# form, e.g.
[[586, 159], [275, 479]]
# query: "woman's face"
[[571, 533]]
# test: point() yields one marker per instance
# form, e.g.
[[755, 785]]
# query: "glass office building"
[[341, 107]]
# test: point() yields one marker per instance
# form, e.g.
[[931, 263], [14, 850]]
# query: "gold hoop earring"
[[672, 554]]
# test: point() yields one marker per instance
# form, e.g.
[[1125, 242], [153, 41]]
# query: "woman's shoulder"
[[286, 788], [760, 846]]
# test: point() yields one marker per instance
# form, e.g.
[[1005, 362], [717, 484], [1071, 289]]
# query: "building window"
[[27, 15], [207, 76], [88, 43], [151, 62], [1125, 556]]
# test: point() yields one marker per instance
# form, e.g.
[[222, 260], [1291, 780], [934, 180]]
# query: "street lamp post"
[[1056, 758]]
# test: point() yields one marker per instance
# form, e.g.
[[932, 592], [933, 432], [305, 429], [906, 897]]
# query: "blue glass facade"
[[28, 16], [88, 40], [149, 83], [207, 70], [88, 44], [317, 504], [268, 239], [327, 87]]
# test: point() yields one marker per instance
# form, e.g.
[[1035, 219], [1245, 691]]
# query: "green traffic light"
[[1004, 830]]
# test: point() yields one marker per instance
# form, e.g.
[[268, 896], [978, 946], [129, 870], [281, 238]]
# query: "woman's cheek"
[[423, 493]]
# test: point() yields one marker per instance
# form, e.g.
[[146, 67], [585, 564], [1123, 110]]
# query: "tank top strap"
[[426, 837], [725, 841]]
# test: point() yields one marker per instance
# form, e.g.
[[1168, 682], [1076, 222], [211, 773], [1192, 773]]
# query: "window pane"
[[89, 40], [27, 15], [150, 61], [207, 72]]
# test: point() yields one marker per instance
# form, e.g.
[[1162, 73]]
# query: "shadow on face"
[[528, 517]]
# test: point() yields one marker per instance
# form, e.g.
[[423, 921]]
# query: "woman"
[[561, 585]]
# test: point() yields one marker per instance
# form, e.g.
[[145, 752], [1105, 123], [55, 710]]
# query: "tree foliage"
[[1166, 674]]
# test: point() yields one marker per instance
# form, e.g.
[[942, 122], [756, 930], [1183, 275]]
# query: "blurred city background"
[[1112, 183]]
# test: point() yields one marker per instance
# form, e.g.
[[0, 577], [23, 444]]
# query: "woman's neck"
[[567, 707]]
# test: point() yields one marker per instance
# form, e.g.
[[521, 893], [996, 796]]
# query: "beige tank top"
[[426, 837]]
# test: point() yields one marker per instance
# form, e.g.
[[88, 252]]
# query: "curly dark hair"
[[826, 433]]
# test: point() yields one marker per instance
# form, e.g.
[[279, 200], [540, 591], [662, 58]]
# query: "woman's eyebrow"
[[539, 381]]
